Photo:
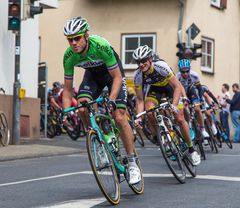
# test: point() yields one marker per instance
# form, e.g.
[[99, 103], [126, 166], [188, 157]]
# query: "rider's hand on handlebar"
[[138, 123], [112, 105]]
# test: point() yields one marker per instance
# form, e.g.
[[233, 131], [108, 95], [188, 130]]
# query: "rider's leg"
[[126, 134], [150, 103], [184, 127]]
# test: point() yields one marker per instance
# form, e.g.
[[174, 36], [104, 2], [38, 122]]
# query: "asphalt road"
[[67, 181]]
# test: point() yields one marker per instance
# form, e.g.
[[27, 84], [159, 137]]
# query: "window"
[[207, 55], [220, 4], [133, 41]]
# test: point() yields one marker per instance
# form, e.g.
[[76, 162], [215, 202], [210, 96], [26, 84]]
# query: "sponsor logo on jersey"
[[105, 49], [90, 64]]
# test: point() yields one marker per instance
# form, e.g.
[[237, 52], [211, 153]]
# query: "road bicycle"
[[107, 161], [195, 131], [212, 140], [4, 129], [169, 139], [221, 135]]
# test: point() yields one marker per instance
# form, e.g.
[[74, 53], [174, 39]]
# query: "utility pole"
[[14, 24], [16, 89]]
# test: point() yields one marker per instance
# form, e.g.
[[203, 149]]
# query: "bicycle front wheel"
[[171, 156], [4, 131], [103, 168]]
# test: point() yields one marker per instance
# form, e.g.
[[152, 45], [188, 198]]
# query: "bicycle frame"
[[93, 125]]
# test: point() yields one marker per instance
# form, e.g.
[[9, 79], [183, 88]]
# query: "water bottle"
[[112, 141], [192, 132]]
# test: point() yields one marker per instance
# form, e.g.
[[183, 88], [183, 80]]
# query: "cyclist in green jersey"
[[102, 68]]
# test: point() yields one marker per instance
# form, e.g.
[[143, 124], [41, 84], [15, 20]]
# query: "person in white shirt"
[[224, 114]]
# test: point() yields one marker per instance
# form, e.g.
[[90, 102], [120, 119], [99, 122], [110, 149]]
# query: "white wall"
[[29, 56]]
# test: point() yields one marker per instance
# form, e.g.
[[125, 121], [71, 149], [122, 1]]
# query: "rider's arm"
[[67, 93], [175, 84], [139, 100], [117, 82], [54, 104]]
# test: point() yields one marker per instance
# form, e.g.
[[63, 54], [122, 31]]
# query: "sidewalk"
[[42, 147]]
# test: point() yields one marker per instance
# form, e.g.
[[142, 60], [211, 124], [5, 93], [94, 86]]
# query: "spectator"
[[235, 111], [224, 114]]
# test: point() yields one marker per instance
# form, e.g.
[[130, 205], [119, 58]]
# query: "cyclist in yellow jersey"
[[154, 80]]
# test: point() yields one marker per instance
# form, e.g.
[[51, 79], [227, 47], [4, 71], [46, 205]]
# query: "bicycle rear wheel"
[[212, 138], [223, 136], [138, 136], [103, 168], [171, 156], [51, 127], [198, 141], [4, 131], [73, 128], [185, 153]]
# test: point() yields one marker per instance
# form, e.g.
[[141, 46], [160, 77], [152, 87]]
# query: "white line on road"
[[83, 203], [147, 175]]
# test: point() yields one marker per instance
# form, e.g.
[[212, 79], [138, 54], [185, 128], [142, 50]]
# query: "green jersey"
[[100, 57]]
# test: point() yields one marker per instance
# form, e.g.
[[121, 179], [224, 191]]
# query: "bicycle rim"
[[138, 188], [103, 168], [169, 150], [4, 131]]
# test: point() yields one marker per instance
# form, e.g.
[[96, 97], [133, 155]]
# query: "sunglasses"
[[75, 38], [185, 71], [142, 61]]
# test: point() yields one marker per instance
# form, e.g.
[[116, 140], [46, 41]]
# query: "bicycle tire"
[[73, 129], [223, 132], [51, 128], [185, 153], [4, 130], [169, 149], [198, 141], [138, 136], [139, 187], [94, 148], [212, 138]]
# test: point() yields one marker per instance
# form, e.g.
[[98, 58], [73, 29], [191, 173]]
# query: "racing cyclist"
[[158, 81], [102, 68], [191, 83]]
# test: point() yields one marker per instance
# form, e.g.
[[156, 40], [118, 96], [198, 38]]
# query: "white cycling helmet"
[[142, 52], [76, 26]]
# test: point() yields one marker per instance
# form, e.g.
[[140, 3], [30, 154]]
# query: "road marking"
[[83, 203], [147, 175]]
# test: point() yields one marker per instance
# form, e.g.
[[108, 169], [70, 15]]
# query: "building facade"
[[158, 23]]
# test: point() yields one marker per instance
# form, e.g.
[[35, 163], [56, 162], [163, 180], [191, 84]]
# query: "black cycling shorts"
[[157, 93], [94, 83]]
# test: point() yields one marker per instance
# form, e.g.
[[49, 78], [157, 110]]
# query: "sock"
[[131, 160]]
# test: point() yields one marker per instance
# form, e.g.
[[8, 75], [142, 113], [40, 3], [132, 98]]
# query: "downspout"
[[180, 21]]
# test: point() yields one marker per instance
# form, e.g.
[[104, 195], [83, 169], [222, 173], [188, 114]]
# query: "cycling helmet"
[[142, 52], [57, 85], [76, 26], [184, 63]]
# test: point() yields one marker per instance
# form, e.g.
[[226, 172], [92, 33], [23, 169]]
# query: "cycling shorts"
[[94, 83]]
